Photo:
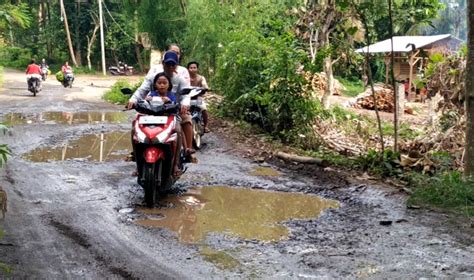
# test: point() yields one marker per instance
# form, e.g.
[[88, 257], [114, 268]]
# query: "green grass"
[[404, 131], [353, 88], [448, 191], [115, 96]]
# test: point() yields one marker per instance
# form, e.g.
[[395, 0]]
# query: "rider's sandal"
[[189, 152], [207, 130]]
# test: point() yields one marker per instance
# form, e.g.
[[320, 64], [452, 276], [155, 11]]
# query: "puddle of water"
[[221, 259], [246, 213], [265, 171], [92, 147], [64, 118]]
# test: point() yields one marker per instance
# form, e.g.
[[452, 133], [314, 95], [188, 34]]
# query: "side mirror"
[[126, 91]]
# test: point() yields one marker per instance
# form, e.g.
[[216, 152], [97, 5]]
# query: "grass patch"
[[404, 130], [6, 269], [115, 96], [353, 88], [448, 191]]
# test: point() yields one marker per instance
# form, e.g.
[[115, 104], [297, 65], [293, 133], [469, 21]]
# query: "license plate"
[[153, 120]]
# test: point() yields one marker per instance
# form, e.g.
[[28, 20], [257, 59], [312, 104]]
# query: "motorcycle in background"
[[196, 115], [44, 73], [68, 79], [34, 83], [155, 142], [121, 69]]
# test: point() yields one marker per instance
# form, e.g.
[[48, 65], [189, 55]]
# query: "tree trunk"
[[469, 150], [68, 35], [394, 84], [137, 46], [77, 33], [138, 54], [49, 48], [90, 42], [329, 91]]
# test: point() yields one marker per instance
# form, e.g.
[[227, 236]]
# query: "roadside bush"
[[448, 191], [258, 77], [15, 57], [384, 164], [114, 95]]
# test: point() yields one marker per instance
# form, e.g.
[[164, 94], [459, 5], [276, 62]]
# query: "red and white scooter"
[[154, 138]]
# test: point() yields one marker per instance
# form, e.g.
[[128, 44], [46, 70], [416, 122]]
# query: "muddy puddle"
[[70, 118], [245, 213], [92, 147]]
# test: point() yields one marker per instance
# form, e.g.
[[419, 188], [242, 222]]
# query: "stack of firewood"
[[384, 97], [319, 82]]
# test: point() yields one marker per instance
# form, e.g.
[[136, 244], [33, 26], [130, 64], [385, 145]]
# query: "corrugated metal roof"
[[401, 43]]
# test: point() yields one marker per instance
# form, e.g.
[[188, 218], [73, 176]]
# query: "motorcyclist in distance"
[[44, 68], [199, 81], [33, 70], [66, 68]]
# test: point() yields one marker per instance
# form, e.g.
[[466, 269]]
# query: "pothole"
[[245, 213], [91, 147], [70, 118]]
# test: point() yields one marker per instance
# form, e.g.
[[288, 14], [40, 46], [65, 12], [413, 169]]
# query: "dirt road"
[[75, 211]]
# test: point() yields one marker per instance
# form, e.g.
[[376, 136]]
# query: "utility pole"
[[102, 48]]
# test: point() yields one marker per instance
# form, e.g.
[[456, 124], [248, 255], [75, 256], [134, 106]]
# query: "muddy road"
[[75, 211]]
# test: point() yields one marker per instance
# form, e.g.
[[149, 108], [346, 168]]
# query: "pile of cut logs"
[[383, 95]]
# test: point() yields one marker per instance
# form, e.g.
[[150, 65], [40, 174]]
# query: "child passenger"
[[162, 87]]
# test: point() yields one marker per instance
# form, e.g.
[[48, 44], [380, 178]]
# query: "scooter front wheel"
[[149, 183]]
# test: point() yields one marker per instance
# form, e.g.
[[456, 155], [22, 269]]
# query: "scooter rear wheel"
[[197, 135]]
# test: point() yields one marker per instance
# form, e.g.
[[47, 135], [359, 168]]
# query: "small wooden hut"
[[411, 53]]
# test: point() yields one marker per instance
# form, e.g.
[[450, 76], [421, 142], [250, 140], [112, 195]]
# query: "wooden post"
[[412, 61], [387, 67], [400, 104]]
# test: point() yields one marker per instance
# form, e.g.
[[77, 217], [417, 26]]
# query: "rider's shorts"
[[185, 118]]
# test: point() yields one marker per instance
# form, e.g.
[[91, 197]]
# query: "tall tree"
[[68, 34], [469, 152]]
